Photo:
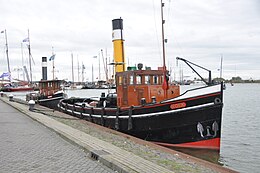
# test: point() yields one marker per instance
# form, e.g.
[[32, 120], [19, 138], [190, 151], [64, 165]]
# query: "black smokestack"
[[44, 68]]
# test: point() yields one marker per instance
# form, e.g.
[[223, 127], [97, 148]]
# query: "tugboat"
[[146, 106], [50, 91], [139, 108]]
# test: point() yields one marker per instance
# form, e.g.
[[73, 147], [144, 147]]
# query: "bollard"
[[143, 101], [153, 99], [11, 97], [2, 94], [31, 105]]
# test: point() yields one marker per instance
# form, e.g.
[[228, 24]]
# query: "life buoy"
[[217, 101]]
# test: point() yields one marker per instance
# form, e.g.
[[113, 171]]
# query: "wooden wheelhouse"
[[135, 87], [49, 87]]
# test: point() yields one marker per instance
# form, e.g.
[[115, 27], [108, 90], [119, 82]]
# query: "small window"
[[131, 80], [120, 80], [125, 80], [138, 80], [160, 80], [147, 80], [155, 79]]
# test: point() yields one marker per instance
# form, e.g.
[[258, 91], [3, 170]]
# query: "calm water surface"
[[240, 143]]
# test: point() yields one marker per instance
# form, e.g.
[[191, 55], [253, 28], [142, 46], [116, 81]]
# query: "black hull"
[[180, 127], [194, 120], [51, 102]]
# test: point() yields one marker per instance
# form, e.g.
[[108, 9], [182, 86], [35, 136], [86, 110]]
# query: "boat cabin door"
[[125, 91]]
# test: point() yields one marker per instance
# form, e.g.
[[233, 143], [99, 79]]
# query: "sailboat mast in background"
[[30, 61], [72, 69], [221, 60], [99, 73], [22, 61], [53, 67], [7, 55], [82, 71], [105, 65], [78, 67]]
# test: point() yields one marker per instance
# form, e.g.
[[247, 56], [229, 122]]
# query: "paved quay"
[[119, 152], [28, 146]]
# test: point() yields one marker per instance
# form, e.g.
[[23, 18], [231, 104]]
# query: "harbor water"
[[240, 145], [240, 142]]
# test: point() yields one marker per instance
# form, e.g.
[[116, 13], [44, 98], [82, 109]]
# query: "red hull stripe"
[[20, 89], [213, 144]]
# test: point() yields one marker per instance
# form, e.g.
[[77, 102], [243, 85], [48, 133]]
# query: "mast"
[[221, 66], [30, 63], [22, 61], [92, 73], [78, 67], [7, 55], [165, 83], [53, 67], [104, 63], [82, 72], [163, 45], [99, 75], [106, 66], [72, 69]]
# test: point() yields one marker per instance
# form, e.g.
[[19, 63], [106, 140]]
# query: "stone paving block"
[[27, 146]]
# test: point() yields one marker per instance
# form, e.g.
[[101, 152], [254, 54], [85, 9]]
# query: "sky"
[[200, 31]]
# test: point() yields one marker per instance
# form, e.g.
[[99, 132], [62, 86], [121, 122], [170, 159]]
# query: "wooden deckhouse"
[[137, 86], [49, 87]]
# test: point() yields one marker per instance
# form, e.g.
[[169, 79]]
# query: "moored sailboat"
[[13, 86]]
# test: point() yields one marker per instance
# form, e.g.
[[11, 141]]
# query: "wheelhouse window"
[[57, 84], [138, 79], [147, 80], [49, 84], [155, 80], [125, 80], [119, 80], [160, 79], [42, 85], [131, 79]]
